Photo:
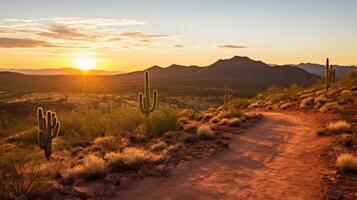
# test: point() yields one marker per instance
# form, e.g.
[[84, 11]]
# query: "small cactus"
[[49, 127], [330, 74], [145, 104]]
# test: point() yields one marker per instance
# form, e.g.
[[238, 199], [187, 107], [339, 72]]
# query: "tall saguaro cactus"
[[49, 127], [146, 106], [330, 74]]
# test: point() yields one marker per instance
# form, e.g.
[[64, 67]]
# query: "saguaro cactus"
[[49, 127], [146, 106], [330, 74]]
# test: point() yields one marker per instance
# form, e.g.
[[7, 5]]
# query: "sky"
[[131, 35]]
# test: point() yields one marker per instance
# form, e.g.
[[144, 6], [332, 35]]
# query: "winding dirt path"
[[276, 159]]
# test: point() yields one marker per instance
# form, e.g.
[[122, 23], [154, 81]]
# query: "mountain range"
[[319, 70], [242, 74]]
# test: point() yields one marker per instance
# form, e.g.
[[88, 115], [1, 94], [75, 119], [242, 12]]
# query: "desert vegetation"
[[112, 137]]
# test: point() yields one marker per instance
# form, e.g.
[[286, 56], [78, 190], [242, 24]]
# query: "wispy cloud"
[[67, 33], [23, 43], [97, 21], [76, 32], [231, 46], [143, 37], [178, 45]]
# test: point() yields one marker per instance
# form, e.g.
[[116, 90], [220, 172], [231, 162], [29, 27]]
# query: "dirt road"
[[275, 159]]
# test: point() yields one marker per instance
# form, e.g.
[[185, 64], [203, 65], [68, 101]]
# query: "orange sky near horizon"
[[133, 35]]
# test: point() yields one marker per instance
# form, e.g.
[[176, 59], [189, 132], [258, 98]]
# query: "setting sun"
[[84, 62]]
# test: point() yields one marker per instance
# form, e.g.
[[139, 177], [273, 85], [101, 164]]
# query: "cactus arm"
[[147, 92], [41, 127], [154, 104], [141, 102], [56, 130]]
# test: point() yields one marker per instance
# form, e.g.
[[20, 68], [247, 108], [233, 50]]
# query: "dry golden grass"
[[92, 168], [320, 99], [286, 105], [215, 119], [205, 132], [158, 146], [234, 122], [347, 162], [132, 159], [223, 122], [331, 106], [306, 102], [107, 143], [339, 126]]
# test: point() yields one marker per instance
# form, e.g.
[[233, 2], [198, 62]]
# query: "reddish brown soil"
[[276, 159]]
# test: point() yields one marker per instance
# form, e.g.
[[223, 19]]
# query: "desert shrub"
[[131, 159], [306, 102], [205, 132], [320, 99], [345, 140], [158, 146], [190, 127], [234, 122], [161, 121], [320, 92], [331, 106], [126, 121], [215, 119], [339, 126], [92, 168], [347, 162], [23, 179], [206, 116], [78, 127], [20, 173], [286, 105], [173, 147], [183, 120], [223, 122], [232, 112], [107, 143], [346, 96], [238, 103]]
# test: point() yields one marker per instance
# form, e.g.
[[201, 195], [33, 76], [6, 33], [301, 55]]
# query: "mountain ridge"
[[242, 74]]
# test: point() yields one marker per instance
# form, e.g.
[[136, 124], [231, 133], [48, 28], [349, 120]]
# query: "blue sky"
[[274, 31]]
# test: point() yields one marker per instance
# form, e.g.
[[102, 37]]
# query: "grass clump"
[[131, 159], [93, 167], [340, 126], [329, 107], [107, 143], [239, 103], [158, 146], [306, 102], [286, 105], [205, 132], [347, 162], [320, 99], [234, 122]]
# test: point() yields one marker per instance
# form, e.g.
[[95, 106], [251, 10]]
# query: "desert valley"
[[137, 101]]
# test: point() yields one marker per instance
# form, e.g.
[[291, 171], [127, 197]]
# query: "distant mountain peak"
[[154, 68]]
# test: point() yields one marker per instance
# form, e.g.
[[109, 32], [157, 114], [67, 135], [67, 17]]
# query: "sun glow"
[[85, 62]]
